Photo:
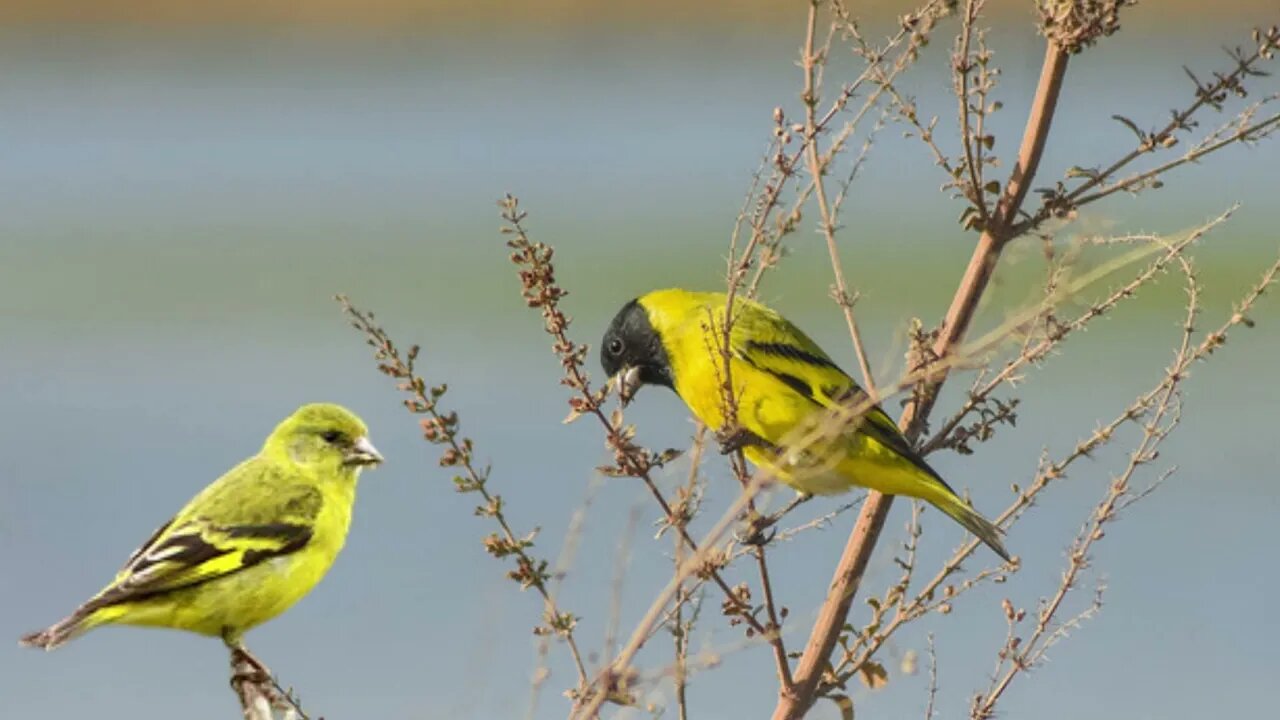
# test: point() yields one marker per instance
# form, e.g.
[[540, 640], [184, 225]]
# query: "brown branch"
[[257, 697], [1021, 655], [780, 660], [927, 599], [1206, 96], [258, 690], [621, 672], [1032, 353], [541, 291], [862, 540], [1061, 202]]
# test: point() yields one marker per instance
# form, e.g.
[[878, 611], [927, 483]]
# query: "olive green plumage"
[[786, 386], [248, 546]]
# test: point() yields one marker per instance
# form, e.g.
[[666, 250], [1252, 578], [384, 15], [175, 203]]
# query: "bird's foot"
[[247, 669], [755, 530], [759, 529], [253, 681], [735, 438]]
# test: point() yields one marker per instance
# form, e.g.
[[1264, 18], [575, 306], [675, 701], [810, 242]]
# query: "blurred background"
[[183, 188]]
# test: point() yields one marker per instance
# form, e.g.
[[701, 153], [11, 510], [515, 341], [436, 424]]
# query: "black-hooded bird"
[[787, 390]]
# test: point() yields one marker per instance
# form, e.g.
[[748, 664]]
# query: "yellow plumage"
[[787, 389], [248, 546]]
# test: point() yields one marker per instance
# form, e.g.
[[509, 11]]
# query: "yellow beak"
[[363, 453]]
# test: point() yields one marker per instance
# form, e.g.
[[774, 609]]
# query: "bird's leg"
[[249, 680], [757, 530], [735, 438], [752, 530], [244, 666], [253, 682]]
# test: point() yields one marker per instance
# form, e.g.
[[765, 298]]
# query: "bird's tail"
[[75, 624], [972, 520]]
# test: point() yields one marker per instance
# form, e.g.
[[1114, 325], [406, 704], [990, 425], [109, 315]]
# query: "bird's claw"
[[733, 439], [249, 671], [757, 530], [245, 668]]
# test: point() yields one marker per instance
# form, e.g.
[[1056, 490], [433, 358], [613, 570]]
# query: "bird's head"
[[323, 436], [632, 352]]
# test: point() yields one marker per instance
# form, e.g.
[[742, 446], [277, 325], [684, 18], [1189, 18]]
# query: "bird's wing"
[[771, 344], [210, 539]]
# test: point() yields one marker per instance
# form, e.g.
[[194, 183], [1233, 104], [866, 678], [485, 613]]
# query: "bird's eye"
[[615, 346], [332, 436]]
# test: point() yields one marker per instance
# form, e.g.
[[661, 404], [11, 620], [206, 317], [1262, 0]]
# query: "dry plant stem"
[[250, 687], [254, 701], [1052, 72], [817, 169], [780, 660], [681, 668], [1258, 128], [926, 598], [969, 139], [1020, 655], [1095, 187], [736, 273], [695, 564], [853, 562], [541, 291], [259, 693], [773, 631], [933, 679], [1154, 407], [924, 601], [1021, 659], [785, 162], [621, 562], [680, 629], [573, 535], [680, 672], [1032, 353], [812, 61], [440, 428], [1179, 120], [632, 459]]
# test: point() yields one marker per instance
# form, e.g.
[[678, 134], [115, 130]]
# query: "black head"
[[631, 344]]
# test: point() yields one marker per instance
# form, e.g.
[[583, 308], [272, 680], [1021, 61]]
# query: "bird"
[[248, 546], [786, 388]]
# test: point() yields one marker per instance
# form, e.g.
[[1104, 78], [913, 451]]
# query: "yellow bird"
[[248, 546], [786, 387]]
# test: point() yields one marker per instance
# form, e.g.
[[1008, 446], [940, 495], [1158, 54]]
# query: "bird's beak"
[[627, 381], [363, 452]]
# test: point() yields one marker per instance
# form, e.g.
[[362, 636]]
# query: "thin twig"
[[853, 562], [817, 169], [441, 427], [933, 678], [1060, 330], [680, 629]]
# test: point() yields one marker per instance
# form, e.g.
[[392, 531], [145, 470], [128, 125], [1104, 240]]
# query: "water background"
[[178, 206]]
